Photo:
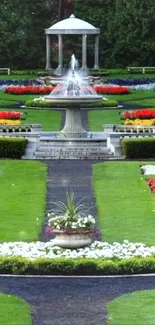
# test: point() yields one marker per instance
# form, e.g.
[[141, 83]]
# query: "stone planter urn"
[[72, 239]]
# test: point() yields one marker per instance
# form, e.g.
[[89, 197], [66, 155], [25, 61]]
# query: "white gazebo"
[[72, 26]]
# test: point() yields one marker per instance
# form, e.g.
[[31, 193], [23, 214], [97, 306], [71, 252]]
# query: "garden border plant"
[[84, 266]]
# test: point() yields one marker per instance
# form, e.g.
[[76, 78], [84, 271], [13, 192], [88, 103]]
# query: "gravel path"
[[72, 301]]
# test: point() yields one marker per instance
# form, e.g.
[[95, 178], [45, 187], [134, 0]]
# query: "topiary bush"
[[12, 147], [138, 148]]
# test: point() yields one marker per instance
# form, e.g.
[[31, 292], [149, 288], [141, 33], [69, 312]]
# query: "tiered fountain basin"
[[73, 120], [73, 101]]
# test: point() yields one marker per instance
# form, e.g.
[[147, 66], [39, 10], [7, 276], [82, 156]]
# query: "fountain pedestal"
[[73, 125]]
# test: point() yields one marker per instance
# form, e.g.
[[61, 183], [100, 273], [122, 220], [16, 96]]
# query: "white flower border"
[[96, 250]]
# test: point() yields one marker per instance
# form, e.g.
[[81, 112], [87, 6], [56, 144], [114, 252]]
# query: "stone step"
[[97, 157]]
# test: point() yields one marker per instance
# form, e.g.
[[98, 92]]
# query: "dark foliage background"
[[127, 32]]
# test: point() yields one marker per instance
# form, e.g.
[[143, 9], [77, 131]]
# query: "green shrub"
[[41, 103], [99, 73], [12, 147], [30, 72], [83, 266], [138, 148]]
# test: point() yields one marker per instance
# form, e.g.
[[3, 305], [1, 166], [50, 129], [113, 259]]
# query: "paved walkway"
[[72, 301]]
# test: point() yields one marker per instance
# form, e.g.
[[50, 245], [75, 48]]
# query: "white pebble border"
[[96, 250]]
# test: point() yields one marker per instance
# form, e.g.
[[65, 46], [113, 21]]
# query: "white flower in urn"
[[70, 216]]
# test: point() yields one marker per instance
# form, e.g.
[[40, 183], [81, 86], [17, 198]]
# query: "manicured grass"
[[23, 194], [98, 118], [14, 311], [150, 102], [131, 75], [126, 206], [49, 119], [137, 308], [17, 77], [10, 99], [134, 95]]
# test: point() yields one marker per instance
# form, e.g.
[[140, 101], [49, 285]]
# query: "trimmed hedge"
[[138, 148], [31, 72], [12, 147], [64, 266], [41, 103]]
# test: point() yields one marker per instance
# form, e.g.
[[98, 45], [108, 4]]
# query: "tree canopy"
[[127, 31]]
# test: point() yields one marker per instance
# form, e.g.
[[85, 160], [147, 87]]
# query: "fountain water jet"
[[73, 94]]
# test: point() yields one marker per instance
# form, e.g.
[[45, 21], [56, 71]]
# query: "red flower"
[[143, 114]]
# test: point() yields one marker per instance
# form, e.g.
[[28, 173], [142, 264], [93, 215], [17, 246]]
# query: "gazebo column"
[[96, 53], [84, 52], [60, 54], [48, 53]]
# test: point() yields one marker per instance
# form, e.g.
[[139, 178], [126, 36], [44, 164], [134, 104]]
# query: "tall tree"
[[22, 36], [127, 29]]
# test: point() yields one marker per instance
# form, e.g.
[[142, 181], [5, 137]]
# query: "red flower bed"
[[139, 114], [11, 115], [117, 90], [43, 90], [24, 90], [151, 183]]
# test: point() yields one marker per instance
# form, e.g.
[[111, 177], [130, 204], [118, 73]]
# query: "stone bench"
[[6, 69]]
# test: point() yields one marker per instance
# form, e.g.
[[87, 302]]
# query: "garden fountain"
[[74, 94]]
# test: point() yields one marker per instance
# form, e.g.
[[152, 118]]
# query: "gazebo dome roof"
[[72, 25]]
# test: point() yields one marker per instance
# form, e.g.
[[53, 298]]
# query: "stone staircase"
[[48, 148]]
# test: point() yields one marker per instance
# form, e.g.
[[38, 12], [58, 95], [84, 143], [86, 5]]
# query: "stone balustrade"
[[109, 128], [115, 133], [20, 128]]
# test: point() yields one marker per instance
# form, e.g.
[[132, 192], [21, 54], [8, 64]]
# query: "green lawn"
[[11, 99], [126, 206], [14, 311], [137, 308], [134, 95], [150, 102], [98, 118], [17, 77], [23, 195], [49, 119]]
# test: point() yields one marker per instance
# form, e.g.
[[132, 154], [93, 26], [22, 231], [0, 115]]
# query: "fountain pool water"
[[74, 94]]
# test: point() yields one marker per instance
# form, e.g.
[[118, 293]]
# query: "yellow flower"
[[10, 122], [148, 122]]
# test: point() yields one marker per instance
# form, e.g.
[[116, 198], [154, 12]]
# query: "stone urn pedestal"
[[72, 239]]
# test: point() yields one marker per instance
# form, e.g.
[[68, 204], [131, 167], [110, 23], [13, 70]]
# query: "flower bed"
[[11, 115], [96, 250], [151, 183], [146, 113], [140, 122], [24, 90], [117, 90], [132, 82], [47, 89], [10, 122], [148, 169]]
